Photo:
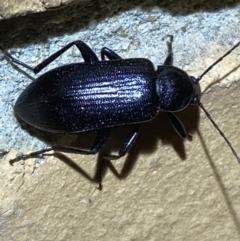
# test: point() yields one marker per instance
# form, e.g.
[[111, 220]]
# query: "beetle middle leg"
[[99, 141], [127, 143], [124, 149], [110, 54], [87, 54]]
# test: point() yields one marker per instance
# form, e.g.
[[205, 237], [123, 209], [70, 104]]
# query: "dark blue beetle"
[[99, 95]]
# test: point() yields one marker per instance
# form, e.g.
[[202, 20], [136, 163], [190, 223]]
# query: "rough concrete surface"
[[166, 188]]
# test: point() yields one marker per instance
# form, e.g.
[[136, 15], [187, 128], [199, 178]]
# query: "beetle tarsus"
[[19, 157], [99, 187]]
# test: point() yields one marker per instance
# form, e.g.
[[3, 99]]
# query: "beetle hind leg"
[[99, 141], [87, 54]]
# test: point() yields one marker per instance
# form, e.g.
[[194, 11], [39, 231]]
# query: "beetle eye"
[[197, 91], [195, 100]]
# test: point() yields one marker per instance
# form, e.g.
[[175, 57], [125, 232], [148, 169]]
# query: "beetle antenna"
[[217, 61], [221, 133]]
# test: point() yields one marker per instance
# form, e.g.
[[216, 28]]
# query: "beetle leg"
[[169, 59], [178, 126], [99, 141], [87, 54], [124, 149], [110, 54], [127, 143]]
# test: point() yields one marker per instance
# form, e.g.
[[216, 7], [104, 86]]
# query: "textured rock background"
[[167, 189]]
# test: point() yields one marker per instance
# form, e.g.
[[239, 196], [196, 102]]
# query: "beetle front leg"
[[87, 54], [169, 59], [99, 141], [178, 126]]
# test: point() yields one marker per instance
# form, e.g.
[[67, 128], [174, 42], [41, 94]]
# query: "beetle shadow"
[[147, 141], [150, 134], [220, 183]]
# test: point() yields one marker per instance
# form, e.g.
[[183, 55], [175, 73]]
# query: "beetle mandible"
[[97, 95]]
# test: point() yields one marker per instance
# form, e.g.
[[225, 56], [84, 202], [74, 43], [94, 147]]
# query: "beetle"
[[97, 95]]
